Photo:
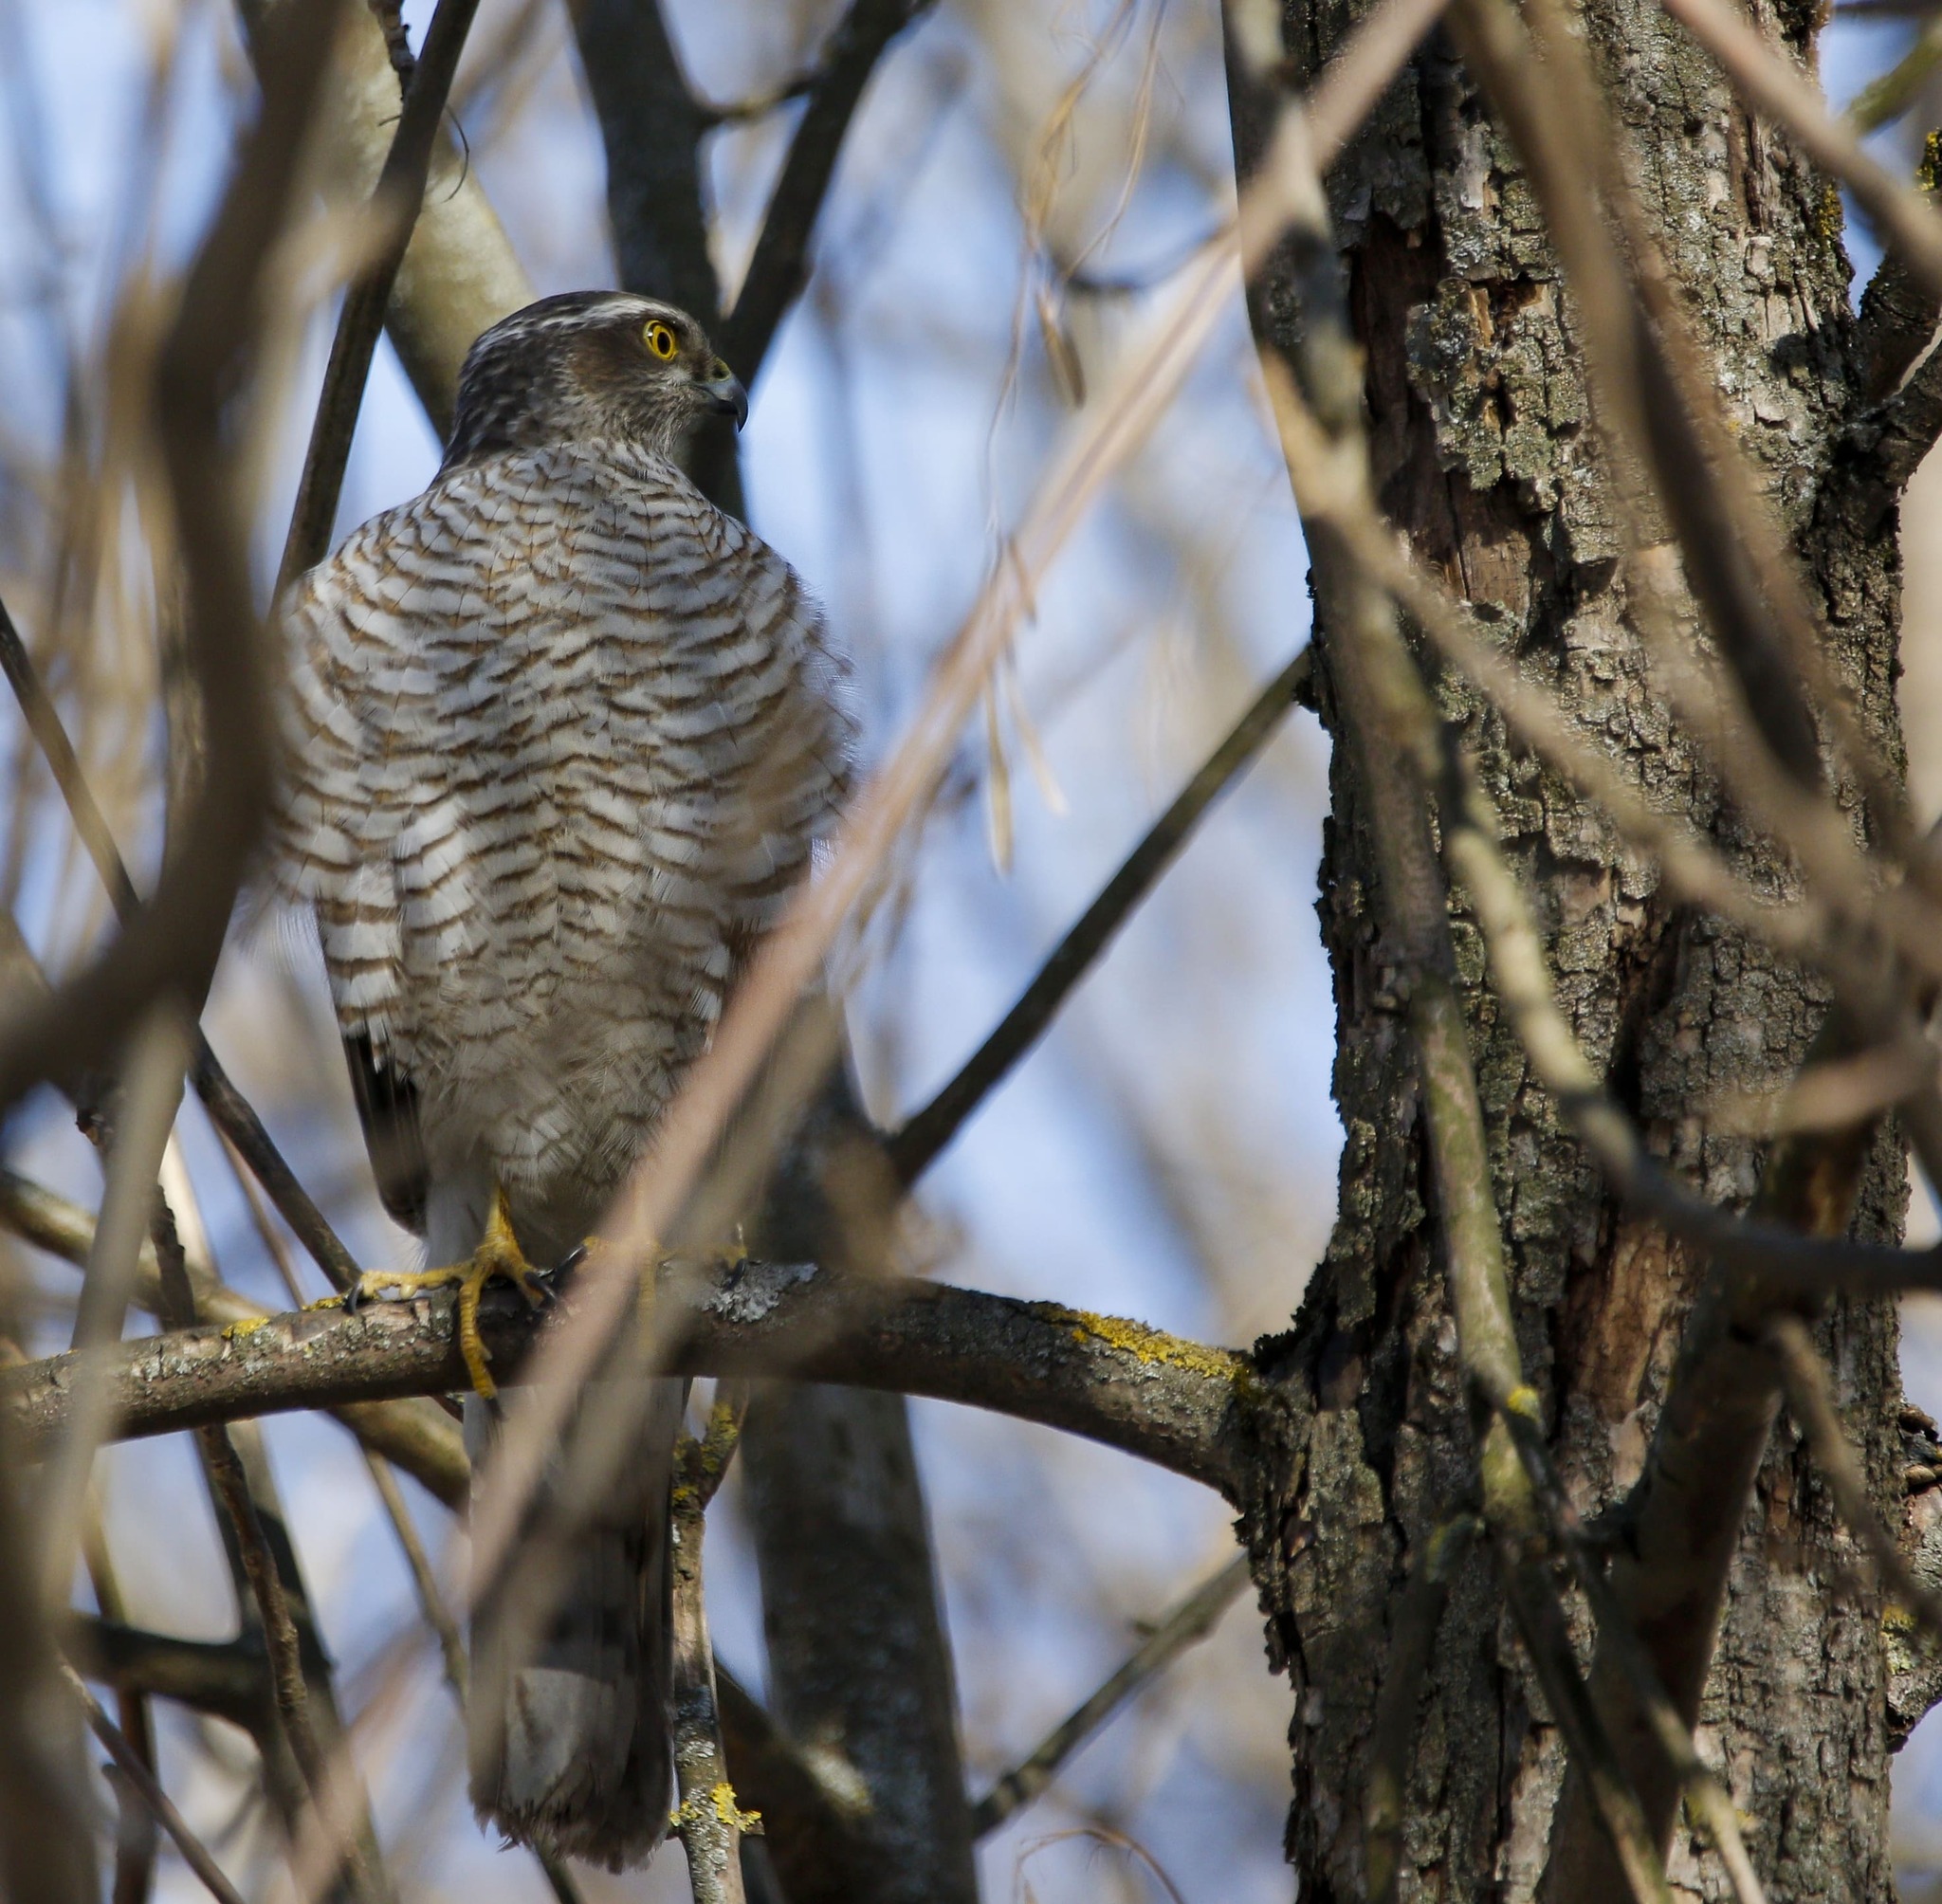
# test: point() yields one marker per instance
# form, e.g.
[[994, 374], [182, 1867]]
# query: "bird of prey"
[[560, 737]]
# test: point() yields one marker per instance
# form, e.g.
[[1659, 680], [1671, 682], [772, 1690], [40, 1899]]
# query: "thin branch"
[[226, 1105], [171, 947], [399, 193], [44, 723], [129, 1762], [226, 1678], [780, 261], [144, 1117], [709, 116], [438, 1616], [913, 1147], [1891, 94], [410, 1434], [1183, 1406], [136, 1841], [239, 1123], [1192, 1620], [1809, 1395], [708, 1819], [278, 1602]]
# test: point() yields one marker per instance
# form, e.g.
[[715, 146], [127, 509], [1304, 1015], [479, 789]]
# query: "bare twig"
[[779, 263], [438, 1616], [243, 1130], [134, 1838], [132, 1767], [399, 193], [410, 1434], [1192, 1620], [170, 948], [913, 1147], [153, 1088], [708, 1819]]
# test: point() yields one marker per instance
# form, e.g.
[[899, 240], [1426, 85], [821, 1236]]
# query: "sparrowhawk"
[[561, 735]]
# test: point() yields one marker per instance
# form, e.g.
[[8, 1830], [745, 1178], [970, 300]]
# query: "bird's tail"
[[567, 1712]]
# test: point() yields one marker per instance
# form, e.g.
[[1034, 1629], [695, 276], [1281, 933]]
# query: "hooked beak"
[[726, 394]]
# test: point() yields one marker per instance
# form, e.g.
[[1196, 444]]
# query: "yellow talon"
[[498, 1255]]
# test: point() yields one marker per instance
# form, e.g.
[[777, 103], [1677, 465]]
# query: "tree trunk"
[[1486, 457]]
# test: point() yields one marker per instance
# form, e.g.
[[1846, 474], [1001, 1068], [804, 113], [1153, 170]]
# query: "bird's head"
[[588, 365]]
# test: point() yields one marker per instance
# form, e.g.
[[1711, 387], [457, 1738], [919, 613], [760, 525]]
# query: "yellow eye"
[[660, 339]]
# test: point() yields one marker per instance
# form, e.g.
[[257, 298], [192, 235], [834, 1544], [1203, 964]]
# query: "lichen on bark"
[[1488, 457]]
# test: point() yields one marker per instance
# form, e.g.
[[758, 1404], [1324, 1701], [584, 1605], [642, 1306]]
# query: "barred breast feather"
[[560, 736]]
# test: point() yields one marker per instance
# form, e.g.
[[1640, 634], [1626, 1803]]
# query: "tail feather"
[[569, 1746]]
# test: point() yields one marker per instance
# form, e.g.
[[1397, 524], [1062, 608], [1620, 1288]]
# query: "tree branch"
[[710, 1820], [780, 264], [650, 126], [913, 1149], [459, 273], [227, 1106], [396, 199], [173, 942], [1193, 1409], [129, 1762], [1193, 1619], [413, 1434]]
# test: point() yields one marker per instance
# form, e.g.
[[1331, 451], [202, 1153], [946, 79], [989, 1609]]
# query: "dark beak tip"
[[726, 397]]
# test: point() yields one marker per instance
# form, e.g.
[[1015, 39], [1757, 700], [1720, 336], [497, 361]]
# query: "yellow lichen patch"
[[718, 1802], [1831, 217], [1151, 1345], [244, 1325]]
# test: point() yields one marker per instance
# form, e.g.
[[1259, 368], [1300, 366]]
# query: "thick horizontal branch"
[[1180, 1405]]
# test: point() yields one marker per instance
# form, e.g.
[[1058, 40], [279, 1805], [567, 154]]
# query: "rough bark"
[[1487, 457]]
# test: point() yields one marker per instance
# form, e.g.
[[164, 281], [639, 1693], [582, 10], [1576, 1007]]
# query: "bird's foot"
[[498, 1256]]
